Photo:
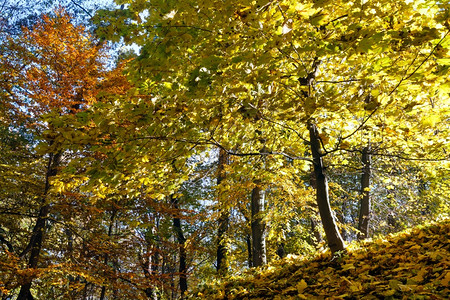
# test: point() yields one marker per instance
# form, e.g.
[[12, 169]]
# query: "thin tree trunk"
[[85, 291], [281, 251], [333, 236], [151, 263], [224, 219], [182, 247], [364, 211], [37, 236], [3, 240], [316, 233], [258, 228], [149, 266], [248, 239], [71, 278], [106, 257]]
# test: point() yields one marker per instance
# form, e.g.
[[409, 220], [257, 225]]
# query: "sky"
[[17, 13]]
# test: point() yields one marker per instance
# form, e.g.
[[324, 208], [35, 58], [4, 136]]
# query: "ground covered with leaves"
[[409, 265]]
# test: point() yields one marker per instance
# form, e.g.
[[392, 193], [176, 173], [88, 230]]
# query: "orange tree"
[[55, 69]]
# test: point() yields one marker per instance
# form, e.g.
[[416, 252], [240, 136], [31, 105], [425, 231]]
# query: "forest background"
[[151, 146]]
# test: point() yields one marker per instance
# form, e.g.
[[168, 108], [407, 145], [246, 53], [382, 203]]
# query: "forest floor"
[[413, 264]]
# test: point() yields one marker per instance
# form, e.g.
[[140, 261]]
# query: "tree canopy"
[[223, 136]]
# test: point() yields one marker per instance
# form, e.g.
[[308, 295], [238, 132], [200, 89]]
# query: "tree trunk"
[[3, 240], [248, 240], [364, 211], [37, 236], [224, 218], [148, 266], [106, 257], [72, 279], [333, 236], [316, 233], [281, 252], [150, 261], [258, 228], [182, 247]]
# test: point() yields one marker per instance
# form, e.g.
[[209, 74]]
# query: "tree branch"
[[82, 8], [398, 84]]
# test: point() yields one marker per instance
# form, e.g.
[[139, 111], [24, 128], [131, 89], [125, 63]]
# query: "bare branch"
[[82, 8], [285, 127], [337, 81]]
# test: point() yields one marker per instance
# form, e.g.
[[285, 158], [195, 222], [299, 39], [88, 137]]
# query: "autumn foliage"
[[409, 264], [60, 66], [220, 136]]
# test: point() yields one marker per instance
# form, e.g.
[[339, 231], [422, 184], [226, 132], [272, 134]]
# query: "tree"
[[258, 227], [311, 107], [58, 70], [364, 211], [224, 217], [334, 239], [293, 67]]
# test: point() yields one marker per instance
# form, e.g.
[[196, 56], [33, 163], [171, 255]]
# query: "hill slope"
[[408, 265]]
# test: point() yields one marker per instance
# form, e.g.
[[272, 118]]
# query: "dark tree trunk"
[[72, 279], [248, 239], [106, 257], [258, 228], [3, 240], [281, 252], [316, 233], [364, 211], [182, 248], [333, 236], [37, 236], [150, 263], [222, 255], [224, 218]]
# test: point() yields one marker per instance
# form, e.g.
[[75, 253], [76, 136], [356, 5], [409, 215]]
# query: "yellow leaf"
[[446, 279], [444, 61], [431, 120], [301, 286], [356, 286], [389, 293], [419, 277], [394, 284], [404, 288], [348, 266], [168, 85]]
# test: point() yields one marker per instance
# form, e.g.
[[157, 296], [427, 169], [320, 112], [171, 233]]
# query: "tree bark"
[[182, 249], [72, 279], [37, 236], [106, 257], [224, 219], [281, 251], [3, 240], [364, 211], [258, 227], [150, 261], [248, 240], [316, 233], [334, 239]]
